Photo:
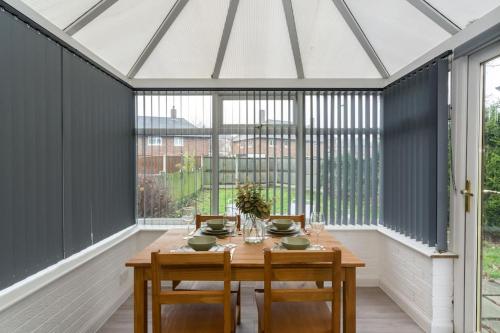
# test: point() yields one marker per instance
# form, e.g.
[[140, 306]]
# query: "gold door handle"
[[467, 195]]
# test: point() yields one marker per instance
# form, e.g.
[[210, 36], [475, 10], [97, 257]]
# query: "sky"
[[492, 81]]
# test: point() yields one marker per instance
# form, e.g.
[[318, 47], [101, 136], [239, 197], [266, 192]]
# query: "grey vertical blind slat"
[[415, 154], [31, 150], [98, 187]]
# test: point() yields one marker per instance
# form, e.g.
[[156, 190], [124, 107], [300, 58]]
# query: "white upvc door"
[[477, 279]]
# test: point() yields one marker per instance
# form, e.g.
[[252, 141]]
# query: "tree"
[[491, 163]]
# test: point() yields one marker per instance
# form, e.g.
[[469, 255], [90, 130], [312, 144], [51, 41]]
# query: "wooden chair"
[[192, 310], [199, 219], [204, 285], [297, 218], [301, 309]]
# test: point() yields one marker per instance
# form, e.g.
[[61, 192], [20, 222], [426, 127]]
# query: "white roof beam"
[[436, 16], [294, 40], [88, 16], [160, 32], [226, 32], [360, 35]]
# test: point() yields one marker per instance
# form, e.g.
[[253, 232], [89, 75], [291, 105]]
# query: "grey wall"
[[67, 152]]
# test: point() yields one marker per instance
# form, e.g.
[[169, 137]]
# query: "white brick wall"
[[82, 299], [365, 245], [420, 284]]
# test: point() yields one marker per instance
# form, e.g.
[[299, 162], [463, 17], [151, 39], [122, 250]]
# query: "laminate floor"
[[376, 312]]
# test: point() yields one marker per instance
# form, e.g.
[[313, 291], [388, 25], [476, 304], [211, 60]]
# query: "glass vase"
[[253, 229]]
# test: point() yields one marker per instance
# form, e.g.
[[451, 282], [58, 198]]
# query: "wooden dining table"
[[247, 264]]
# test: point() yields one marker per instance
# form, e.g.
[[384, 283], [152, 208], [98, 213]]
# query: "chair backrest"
[[297, 218], [213, 266], [203, 218], [292, 266]]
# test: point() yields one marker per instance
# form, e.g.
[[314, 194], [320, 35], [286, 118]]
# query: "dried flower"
[[249, 201]]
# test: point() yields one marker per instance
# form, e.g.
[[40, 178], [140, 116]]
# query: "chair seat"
[[206, 285], [197, 318], [289, 317]]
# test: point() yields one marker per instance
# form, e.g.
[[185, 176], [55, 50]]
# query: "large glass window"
[[296, 145]]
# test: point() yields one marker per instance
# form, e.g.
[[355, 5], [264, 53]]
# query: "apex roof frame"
[[360, 35], [160, 32], [88, 16], [226, 32], [436, 16], [294, 39]]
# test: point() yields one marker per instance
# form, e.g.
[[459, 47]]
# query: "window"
[[154, 141], [178, 141], [330, 162]]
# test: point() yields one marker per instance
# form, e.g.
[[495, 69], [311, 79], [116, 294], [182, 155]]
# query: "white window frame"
[[155, 141], [178, 141]]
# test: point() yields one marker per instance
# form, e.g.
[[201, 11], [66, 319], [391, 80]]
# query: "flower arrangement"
[[249, 200]]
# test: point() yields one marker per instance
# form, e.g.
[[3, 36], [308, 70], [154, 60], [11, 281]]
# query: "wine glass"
[[229, 224], [317, 224], [188, 218]]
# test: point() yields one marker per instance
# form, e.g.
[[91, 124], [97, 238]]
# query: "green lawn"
[[491, 260], [226, 196]]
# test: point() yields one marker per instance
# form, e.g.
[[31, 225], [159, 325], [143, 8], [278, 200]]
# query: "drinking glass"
[[230, 225], [188, 218], [317, 223]]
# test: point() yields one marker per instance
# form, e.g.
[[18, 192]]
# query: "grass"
[[226, 195], [491, 260]]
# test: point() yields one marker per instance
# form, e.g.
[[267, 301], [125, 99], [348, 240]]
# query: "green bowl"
[[295, 243], [202, 243], [282, 224], [216, 224]]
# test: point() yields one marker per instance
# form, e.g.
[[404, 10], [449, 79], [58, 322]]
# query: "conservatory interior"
[[250, 166]]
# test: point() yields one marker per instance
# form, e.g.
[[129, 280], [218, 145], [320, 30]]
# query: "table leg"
[[140, 301], [349, 300]]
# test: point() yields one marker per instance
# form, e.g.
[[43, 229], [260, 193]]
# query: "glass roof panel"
[[120, 33], [61, 12], [327, 45], [398, 32], [259, 45], [189, 48], [464, 12]]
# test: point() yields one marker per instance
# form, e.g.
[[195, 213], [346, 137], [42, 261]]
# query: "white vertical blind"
[[255, 134]]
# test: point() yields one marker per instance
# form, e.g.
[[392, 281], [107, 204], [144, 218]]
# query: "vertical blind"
[[343, 155], [66, 144], [415, 154], [308, 150], [30, 149]]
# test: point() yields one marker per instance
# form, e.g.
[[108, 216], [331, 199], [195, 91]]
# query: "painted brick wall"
[[365, 245], [421, 285], [82, 300]]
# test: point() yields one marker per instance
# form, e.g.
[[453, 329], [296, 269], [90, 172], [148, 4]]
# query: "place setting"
[[293, 237]]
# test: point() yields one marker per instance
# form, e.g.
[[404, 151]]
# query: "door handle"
[[466, 192]]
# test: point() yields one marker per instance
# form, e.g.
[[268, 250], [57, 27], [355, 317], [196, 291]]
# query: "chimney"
[[173, 112], [262, 117]]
